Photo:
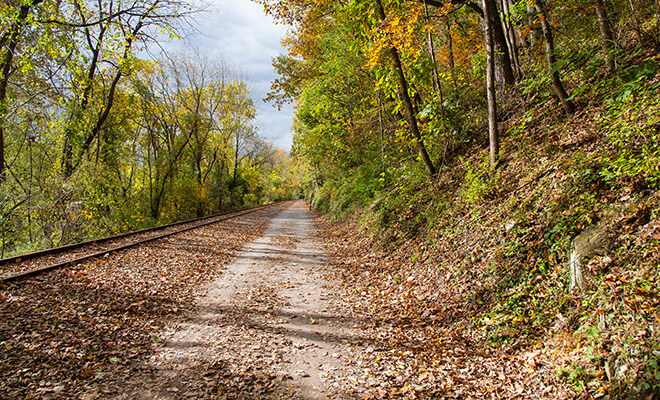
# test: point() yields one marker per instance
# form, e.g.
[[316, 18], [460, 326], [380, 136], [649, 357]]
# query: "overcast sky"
[[241, 33]]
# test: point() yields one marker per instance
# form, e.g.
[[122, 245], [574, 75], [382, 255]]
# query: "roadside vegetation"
[[98, 137], [504, 159]]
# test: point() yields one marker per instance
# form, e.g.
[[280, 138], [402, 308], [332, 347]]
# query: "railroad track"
[[32, 264]]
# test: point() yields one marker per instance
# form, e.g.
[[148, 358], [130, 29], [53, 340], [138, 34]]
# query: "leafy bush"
[[632, 120]]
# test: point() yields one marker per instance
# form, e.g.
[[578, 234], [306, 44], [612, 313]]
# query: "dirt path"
[[179, 319], [271, 323]]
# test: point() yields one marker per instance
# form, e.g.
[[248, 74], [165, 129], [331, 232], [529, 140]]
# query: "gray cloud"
[[241, 33]]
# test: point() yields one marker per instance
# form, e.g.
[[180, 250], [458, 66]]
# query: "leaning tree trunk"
[[410, 113], [493, 137], [606, 36], [568, 105]]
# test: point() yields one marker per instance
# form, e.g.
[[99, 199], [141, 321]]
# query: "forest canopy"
[[384, 87], [98, 137]]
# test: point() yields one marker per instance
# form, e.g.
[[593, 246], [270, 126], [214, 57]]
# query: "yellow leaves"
[[404, 29]]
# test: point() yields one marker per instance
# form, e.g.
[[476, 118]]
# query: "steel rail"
[[62, 249]]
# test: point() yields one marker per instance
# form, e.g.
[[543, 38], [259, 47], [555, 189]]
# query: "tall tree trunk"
[[6, 64], [410, 113], [3, 174], [452, 65], [434, 63], [493, 137], [504, 68], [200, 209], [568, 105], [533, 35], [511, 37], [502, 54], [155, 207], [606, 36], [235, 173], [657, 18], [221, 168], [381, 131], [69, 164], [80, 108]]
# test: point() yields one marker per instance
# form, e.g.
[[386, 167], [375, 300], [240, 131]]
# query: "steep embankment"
[[490, 261]]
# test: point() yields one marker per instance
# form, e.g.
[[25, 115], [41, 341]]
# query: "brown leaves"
[[82, 332], [427, 345]]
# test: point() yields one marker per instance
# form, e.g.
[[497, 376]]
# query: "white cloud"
[[241, 33]]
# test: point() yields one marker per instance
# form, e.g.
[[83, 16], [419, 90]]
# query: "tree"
[[493, 136], [109, 31], [164, 141], [551, 58], [203, 96], [17, 17], [492, 20], [607, 38], [407, 101]]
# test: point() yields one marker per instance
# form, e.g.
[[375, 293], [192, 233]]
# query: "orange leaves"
[[403, 28]]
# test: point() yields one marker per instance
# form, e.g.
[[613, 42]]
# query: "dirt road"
[[254, 309], [271, 323]]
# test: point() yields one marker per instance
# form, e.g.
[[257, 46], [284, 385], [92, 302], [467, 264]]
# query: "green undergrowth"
[[504, 238]]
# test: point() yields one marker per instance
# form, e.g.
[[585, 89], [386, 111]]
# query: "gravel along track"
[[86, 331], [61, 255], [270, 326]]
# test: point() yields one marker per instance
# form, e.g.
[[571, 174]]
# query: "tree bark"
[[5, 70], [436, 76], [466, 3], [410, 114], [568, 105], [3, 174], [657, 18], [502, 54], [504, 68], [606, 36], [452, 65], [69, 164], [511, 37], [493, 137]]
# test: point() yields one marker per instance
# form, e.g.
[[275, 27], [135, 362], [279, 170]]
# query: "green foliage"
[[338, 197], [632, 117], [478, 182], [168, 151]]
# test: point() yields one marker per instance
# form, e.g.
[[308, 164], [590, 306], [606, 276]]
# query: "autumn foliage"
[[474, 141]]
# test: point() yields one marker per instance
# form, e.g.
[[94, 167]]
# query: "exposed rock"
[[589, 240]]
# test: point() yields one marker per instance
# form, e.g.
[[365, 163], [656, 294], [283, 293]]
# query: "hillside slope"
[[503, 158], [490, 257]]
